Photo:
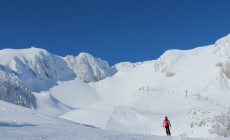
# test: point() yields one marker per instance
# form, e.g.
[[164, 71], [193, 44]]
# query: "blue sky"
[[114, 30]]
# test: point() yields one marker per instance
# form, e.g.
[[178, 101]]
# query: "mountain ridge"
[[39, 70]]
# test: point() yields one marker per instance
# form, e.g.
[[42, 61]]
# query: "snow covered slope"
[[151, 90], [18, 123], [75, 93], [47, 104]]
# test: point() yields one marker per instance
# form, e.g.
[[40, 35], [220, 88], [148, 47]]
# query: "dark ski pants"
[[167, 130]]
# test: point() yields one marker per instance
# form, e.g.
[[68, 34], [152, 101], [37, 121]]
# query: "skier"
[[166, 124]]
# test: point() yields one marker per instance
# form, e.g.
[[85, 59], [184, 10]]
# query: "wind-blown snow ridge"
[[223, 41]]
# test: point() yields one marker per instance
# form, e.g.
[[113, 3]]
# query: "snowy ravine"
[[188, 86]]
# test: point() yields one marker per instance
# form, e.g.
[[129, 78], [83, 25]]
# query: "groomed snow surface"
[[19, 123]]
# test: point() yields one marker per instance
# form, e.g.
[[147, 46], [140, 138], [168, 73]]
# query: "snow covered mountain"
[[88, 69], [188, 86], [37, 68], [40, 70]]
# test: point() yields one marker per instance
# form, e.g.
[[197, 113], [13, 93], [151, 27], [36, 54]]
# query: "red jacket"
[[166, 122]]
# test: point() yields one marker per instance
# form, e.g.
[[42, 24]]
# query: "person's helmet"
[[166, 117]]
